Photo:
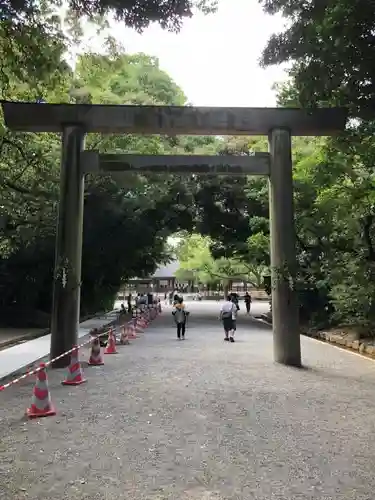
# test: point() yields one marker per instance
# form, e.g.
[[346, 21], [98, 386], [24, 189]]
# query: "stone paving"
[[199, 419]]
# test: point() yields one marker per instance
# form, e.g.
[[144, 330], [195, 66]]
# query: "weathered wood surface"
[[258, 164], [286, 335], [67, 275], [172, 120]]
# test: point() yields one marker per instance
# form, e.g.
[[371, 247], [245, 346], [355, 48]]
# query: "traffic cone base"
[[77, 381], [33, 412], [92, 363]]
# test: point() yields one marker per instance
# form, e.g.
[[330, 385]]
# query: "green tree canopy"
[[135, 13], [126, 220], [198, 264], [34, 35], [330, 46]]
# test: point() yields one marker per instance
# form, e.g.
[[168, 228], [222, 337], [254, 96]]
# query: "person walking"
[[180, 314], [235, 299], [234, 315], [228, 317], [248, 301], [142, 302], [122, 309], [149, 299]]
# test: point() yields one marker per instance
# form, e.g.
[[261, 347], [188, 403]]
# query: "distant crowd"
[[139, 301], [228, 311]]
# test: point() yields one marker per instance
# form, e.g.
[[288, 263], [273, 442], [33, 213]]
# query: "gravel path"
[[198, 419]]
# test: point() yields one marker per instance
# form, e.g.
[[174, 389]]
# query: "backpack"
[[180, 314]]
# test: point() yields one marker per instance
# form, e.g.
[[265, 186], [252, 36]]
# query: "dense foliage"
[[330, 47], [127, 219]]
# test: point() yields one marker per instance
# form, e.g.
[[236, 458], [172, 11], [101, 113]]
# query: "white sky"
[[214, 58]]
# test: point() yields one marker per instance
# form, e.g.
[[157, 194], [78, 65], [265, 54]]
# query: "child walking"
[[180, 314], [228, 317]]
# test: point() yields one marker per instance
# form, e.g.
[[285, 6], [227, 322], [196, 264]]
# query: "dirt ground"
[[198, 419]]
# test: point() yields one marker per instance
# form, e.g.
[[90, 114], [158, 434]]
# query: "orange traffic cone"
[[124, 339], [142, 323], [75, 375], [96, 358], [111, 345], [137, 325], [41, 405], [131, 332]]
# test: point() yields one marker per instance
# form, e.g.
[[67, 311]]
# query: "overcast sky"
[[215, 58]]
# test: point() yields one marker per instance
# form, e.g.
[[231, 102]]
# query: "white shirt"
[[234, 311], [229, 306]]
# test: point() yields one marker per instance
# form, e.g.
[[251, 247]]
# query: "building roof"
[[167, 271]]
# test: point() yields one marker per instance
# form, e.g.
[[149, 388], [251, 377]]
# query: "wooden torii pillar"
[[73, 121]]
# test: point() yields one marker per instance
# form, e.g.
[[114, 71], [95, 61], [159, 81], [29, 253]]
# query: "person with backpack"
[[228, 314], [180, 314]]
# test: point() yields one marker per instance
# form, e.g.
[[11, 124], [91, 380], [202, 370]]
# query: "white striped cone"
[[137, 327], [111, 344], [142, 323], [75, 374], [41, 405], [114, 334], [124, 336], [131, 332]]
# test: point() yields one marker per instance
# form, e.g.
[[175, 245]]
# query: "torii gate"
[[75, 120]]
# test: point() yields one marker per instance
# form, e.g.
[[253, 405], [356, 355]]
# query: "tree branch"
[[233, 276], [27, 192]]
